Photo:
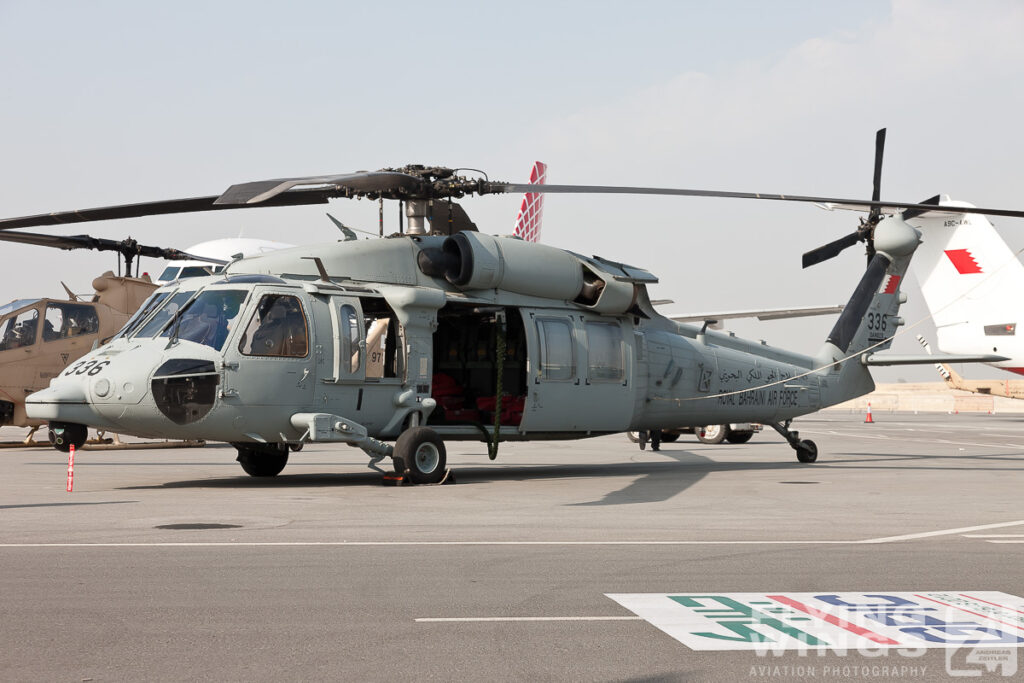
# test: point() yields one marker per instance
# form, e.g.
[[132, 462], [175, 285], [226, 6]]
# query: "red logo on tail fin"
[[963, 261], [891, 284], [530, 213]]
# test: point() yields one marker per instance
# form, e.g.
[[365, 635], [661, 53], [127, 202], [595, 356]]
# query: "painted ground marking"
[[833, 621]]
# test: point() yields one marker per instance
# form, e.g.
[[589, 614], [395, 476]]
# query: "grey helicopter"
[[441, 332]]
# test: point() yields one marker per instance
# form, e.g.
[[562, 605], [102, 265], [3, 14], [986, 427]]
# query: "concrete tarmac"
[[174, 564]]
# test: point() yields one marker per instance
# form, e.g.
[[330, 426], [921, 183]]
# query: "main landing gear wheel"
[[806, 451], [713, 433], [64, 435], [420, 453], [262, 461], [739, 437]]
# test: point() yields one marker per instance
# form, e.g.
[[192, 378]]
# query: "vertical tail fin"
[[870, 319], [528, 222], [970, 279]]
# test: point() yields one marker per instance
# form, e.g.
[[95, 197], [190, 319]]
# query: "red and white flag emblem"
[[963, 261], [890, 284]]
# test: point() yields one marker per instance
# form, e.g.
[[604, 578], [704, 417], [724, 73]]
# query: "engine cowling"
[[472, 260], [487, 262]]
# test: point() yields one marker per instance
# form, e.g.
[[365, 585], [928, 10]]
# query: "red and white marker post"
[[71, 468]]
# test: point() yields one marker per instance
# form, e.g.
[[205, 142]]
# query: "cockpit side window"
[[20, 330], [277, 328], [69, 320]]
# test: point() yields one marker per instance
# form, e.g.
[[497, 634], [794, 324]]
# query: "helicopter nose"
[[65, 402]]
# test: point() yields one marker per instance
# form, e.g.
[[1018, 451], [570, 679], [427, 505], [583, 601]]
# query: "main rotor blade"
[[385, 182], [397, 184], [158, 208], [129, 246], [830, 250], [679, 192]]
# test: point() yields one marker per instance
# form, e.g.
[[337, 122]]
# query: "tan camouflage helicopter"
[[40, 337], [480, 337]]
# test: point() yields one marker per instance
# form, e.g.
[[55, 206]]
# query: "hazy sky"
[[114, 102]]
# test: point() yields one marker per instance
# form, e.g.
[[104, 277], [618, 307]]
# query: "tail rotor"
[[865, 232]]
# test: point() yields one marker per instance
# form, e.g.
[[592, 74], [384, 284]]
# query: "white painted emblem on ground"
[[833, 621]]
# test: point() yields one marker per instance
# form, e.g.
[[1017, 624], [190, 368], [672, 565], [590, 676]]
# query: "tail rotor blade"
[[830, 250], [879, 150], [876, 191]]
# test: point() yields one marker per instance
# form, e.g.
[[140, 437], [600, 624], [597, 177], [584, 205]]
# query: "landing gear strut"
[[806, 450]]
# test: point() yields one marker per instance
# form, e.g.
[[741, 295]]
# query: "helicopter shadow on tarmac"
[[654, 481], [654, 472]]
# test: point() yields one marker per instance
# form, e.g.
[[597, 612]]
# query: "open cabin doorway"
[[466, 365]]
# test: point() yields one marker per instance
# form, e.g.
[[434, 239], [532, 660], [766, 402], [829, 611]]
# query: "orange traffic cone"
[[867, 418]]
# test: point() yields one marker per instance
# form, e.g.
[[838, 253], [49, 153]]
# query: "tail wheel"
[[262, 461], [423, 454], [713, 434], [806, 451], [64, 435], [739, 437]]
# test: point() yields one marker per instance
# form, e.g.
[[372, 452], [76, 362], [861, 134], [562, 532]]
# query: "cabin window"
[[278, 328], [20, 330], [69, 320], [350, 338], [604, 348], [557, 360]]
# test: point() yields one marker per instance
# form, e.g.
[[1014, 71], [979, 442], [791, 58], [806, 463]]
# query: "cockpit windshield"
[[208, 318], [147, 307], [164, 314], [15, 305]]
